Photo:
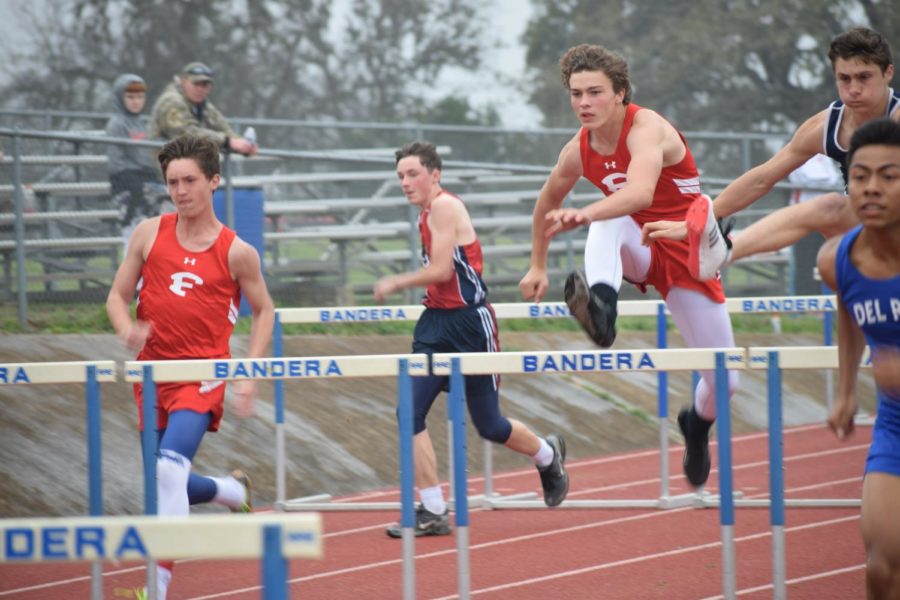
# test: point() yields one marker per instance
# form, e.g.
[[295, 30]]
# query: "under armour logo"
[[184, 281], [190, 261], [610, 165]]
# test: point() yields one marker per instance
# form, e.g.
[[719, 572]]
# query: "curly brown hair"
[[591, 57]]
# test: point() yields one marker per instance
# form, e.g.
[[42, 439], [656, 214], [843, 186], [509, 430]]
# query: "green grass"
[[56, 318]]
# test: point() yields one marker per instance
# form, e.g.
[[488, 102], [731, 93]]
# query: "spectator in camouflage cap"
[[183, 108]]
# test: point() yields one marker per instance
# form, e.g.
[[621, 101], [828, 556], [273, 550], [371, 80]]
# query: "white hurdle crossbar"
[[273, 538], [91, 374]]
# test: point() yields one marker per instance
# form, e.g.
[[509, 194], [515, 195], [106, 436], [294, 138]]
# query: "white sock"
[[163, 579], [433, 499], [229, 492], [544, 455], [172, 472]]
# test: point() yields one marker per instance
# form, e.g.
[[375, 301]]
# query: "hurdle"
[[773, 359], [403, 366], [276, 368], [91, 374], [456, 365], [790, 358], [518, 310], [589, 361], [271, 538]]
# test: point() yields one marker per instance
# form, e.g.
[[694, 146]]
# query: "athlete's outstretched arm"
[[118, 303], [448, 216], [559, 183], [243, 260], [647, 143], [851, 345], [244, 263], [755, 183], [759, 181]]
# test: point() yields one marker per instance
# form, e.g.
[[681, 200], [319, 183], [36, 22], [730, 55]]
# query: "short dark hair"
[[878, 132], [591, 57], [863, 43], [203, 150], [427, 153]]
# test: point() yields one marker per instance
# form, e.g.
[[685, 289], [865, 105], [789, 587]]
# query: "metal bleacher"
[[329, 234]]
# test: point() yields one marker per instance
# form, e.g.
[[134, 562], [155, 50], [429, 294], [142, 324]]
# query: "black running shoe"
[[427, 523], [554, 478], [591, 312], [696, 446]]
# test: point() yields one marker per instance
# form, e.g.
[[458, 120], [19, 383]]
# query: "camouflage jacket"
[[173, 115]]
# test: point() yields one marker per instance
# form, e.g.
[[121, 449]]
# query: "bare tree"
[[706, 64], [272, 58]]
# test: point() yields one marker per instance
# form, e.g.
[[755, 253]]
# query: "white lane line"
[[813, 577], [585, 462], [533, 536], [642, 558]]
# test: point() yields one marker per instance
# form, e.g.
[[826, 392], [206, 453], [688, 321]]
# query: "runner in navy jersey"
[[457, 318], [862, 66], [863, 267]]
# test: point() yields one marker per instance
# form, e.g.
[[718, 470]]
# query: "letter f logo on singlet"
[[615, 182], [184, 281]]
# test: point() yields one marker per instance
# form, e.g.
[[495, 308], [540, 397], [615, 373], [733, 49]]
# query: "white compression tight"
[[172, 472], [703, 324], [613, 251]]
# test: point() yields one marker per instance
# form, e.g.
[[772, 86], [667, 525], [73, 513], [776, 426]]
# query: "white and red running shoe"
[[709, 245]]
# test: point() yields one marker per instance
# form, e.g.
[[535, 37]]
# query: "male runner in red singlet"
[[457, 318], [861, 62], [193, 270], [645, 169]]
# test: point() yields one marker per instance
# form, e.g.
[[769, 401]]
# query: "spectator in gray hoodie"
[[135, 184]]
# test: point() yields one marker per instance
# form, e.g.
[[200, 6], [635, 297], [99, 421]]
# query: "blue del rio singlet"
[[874, 305]]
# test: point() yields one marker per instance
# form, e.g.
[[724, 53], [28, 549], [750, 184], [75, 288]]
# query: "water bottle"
[[250, 135]]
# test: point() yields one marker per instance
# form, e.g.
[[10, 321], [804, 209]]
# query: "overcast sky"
[[507, 20], [495, 84]]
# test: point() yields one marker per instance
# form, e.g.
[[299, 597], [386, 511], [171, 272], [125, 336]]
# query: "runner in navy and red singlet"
[[192, 271], [863, 268], [457, 318], [862, 67], [644, 168]]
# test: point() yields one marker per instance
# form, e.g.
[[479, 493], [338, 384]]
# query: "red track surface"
[[541, 554]]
